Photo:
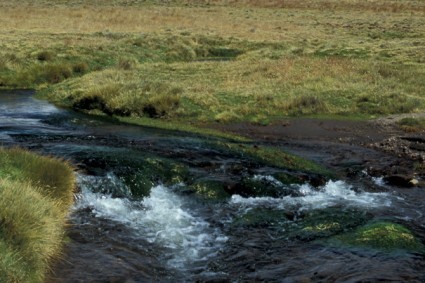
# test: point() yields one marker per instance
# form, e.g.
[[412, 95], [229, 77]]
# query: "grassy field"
[[35, 196], [225, 61]]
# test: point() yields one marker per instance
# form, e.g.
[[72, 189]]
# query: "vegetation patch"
[[412, 124], [35, 196], [301, 225], [274, 156], [327, 222], [262, 218], [137, 172], [385, 236], [207, 189]]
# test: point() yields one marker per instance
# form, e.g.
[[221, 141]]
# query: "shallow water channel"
[[163, 206]]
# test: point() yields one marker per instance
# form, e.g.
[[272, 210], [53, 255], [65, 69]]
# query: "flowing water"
[[137, 223]]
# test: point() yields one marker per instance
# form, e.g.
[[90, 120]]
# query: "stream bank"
[[156, 205]]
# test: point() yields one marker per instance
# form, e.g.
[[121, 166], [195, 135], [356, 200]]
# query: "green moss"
[[288, 179], [327, 222], [273, 156], [262, 217], [181, 127], [261, 187], [385, 236], [137, 170], [303, 226], [211, 190]]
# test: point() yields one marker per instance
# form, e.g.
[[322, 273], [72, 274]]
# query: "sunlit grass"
[[35, 195], [146, 59], [247, 89]]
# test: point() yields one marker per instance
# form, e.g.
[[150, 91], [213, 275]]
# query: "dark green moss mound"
[[138, 171], [290, 178], [303, 226], [385, 236], [151, 172], [327, 222], [263, 217], [208, 189], [260, 187]]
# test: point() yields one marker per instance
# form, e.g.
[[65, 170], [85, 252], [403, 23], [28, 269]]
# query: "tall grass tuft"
[[45, 56], [306, 104], [35, 195], [54, 176]]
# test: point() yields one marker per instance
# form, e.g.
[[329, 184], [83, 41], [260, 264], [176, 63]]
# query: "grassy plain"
[[225, 61], [35, 196]]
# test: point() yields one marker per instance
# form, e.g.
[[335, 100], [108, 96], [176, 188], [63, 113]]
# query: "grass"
[[412, 124], [187, 64], [35, 195], [218, 61]]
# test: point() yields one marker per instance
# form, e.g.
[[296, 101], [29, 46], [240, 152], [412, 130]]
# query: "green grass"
[[247, 89], [412, 124], [223, 62], [35, 195]]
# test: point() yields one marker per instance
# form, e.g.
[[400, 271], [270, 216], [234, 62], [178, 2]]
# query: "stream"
[[165, 206]]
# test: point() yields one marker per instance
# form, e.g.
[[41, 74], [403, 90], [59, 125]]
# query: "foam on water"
[[160, 218], [332, 194], [173, 226]]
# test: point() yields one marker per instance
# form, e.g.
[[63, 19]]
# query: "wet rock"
[[385, 236], [291, 178], [264, 187], [262, 217], [77, 236], [401, 180], [209, 189], [414, 182], [327, 222]]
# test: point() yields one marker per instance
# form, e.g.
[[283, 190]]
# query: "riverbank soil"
[[349, 147]]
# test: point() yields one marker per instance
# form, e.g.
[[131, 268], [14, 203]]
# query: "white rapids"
[[161, 218], [166, 219], [333, 193]]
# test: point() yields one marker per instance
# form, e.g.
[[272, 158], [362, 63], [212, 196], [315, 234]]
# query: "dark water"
[[173, 234]]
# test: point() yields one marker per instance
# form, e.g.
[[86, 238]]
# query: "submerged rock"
[[327, 222], [209, 189], [385, 236], [263, 217], [301, 225]]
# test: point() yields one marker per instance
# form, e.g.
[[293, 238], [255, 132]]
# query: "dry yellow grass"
[[253, 24], [35, 196], [346, 56]]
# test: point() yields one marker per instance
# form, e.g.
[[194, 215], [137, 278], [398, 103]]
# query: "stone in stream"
[[383, 235], [304, 226], [401, 180]]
